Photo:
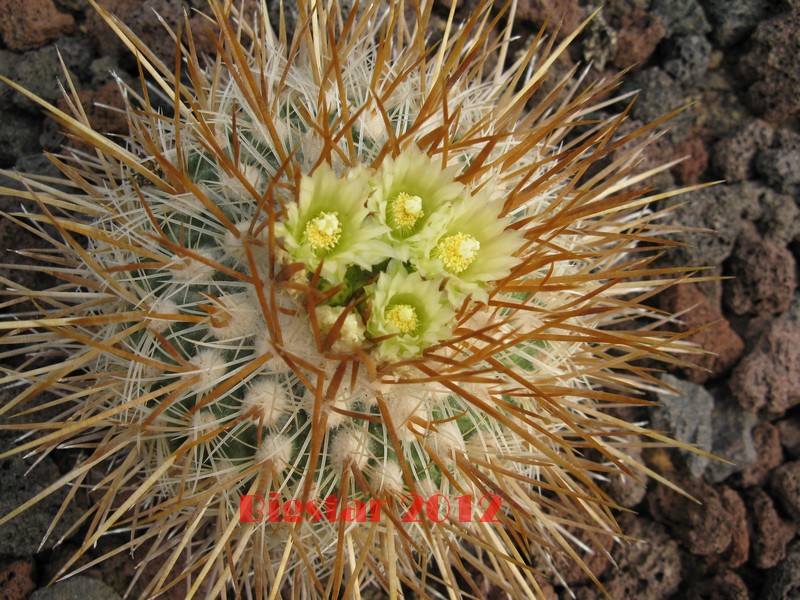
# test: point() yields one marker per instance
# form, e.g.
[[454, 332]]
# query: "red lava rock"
[[785, 484], [564, 15], [726, 585], [739, 550], [638, 35], [17, 579], [763, 275], [32, 23], [705, 529], [717, 336], [770, 533], [104, 120], [769, 455], [597, 562], [767, 377], [690, 170], [734, 155]]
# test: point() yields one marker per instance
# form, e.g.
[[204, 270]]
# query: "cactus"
[[349, 268]]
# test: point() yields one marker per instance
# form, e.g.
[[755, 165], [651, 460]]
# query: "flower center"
[[323, 232], [458, 251], [403, 317], [407, 210]]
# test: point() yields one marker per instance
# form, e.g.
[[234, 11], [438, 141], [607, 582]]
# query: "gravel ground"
[[736, 61]]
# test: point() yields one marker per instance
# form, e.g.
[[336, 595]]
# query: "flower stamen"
[[458, 251], [323, 232], [403, 317], [406, 210]]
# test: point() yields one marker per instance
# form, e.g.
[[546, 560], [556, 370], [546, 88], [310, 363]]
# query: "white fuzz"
[[276, 364], [270, 400], [210, 366], [447, 440], [234, 246], [187, 269], [162, 306], [236, 316], [202, 422], [408, 412], [350, 446], [276, 448], [388, 478]]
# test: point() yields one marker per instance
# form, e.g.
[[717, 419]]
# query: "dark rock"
[[733, 20], [770, 534], [732, 440], [780, 165], [763, 275], [776, 215], [767, 377], [141, 18], [771, 65], [31, 24], [705, 528], [659, 94], [8, 68], [785, 484], [714, 333], [718, 209], [726, 585], [19, 135], [783, 582], [39, 72], [686, 416], [686, 58], [681, 17], [769, 455], [789, 430], [73, 5], [76, 50], [23, 535], [648, 569], [17, 579], [734, 156], [76, 588]]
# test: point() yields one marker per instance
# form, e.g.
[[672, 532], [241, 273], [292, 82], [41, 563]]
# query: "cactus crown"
[[350, 264]]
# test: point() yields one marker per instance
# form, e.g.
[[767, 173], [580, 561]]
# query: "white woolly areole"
[[402, 407], [447, 440], [237, 316], [202, 422], [335, 418], [277, 448], [275, 364], [350, 446], [187, 269], [210, 366], [162, 306], [388, 477], [270, 400], [233, 246]]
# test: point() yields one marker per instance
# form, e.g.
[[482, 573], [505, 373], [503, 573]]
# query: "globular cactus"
[[348, 268]]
